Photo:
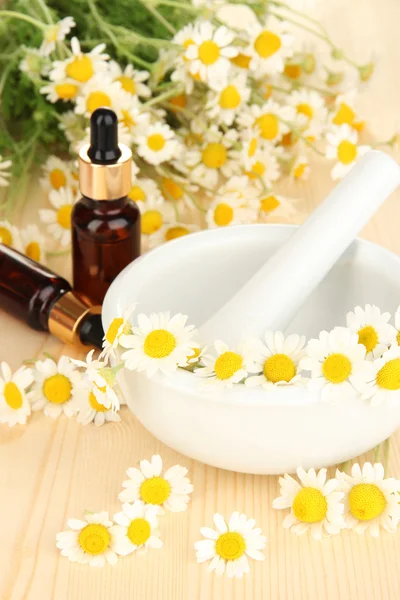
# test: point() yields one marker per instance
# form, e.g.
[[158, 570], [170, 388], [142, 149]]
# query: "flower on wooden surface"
[[54, 387], [91, 407], [102, 377], [342, 146], [58, 219], [14, 404], [33, 243], [136, 528], [10, 235]]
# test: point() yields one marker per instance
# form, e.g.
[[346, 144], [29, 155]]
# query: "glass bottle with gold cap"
[[105, 222]]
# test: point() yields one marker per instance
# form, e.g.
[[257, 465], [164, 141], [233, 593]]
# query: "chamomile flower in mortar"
[[384, 385], [224, 366], [56, 173], [230, 545], [373, 329], [32, 242], [58, 219], [14, 404], [158, 343], [209, 55], [225, 99], [4, 172], [169, 490], [136, 528], [277, 360], [102, 377], [132, 81], [309, 106], [81, 66], [270, 120], [66, 90], [157, 144], [55, 33], [88, 541], [9, 235], [101, 91], [371, 501], [88, 407], [301, 168], [342, 146], [275, 205], [230, 208], [315, 503], [337, 364], [54, 387], [269, 46], [120, 325]]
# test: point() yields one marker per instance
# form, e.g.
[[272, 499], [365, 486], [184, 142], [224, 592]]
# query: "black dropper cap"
[[104, 149], [91, 331]]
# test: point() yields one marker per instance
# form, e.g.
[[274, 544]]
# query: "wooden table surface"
[[54, 470]]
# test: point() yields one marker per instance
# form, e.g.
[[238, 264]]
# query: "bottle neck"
[[105, 206]]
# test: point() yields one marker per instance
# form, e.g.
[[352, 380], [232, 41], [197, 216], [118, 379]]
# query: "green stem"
[[194, 201], [158, 16], [302, 137], [322, 36], [386, 452], [175, 4], [46, 11], [58, 252], [169, 94], [22, 17], [187, 113], [377, 452]]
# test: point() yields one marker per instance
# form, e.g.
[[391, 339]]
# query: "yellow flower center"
[[151, 221], [66, 91], [230, 545], [292, 71], [287, 139], [366, 501], [57, 389], [94, 538], [229, 97], [173, 189], [80, 69], [5, 236], [223, 214], [32, 250], [137, 194], [388, 377], [269, 204], [175, 232], [267, 43], [299, 170], [368, 336], [310, 505], [344, 114], [257, 170], [64, 216], [196, 354], [214, 155], [12, 395], [127, 84], [95, 404], [306, 110], [241, 60], [156, 142], [336, 368], [347, 152], [159, 343], [279, 367], [227, 364], [186, 45], [57, 179], [127, 119], [268, 125], [179, 100], [139, 531], [209, 52], [155, 490], [97, 100], [252, 147], [112, 330]]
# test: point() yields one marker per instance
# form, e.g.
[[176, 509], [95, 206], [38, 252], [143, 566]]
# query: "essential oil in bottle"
[[105, 222]]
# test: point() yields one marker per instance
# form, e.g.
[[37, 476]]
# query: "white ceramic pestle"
[[271, 298]]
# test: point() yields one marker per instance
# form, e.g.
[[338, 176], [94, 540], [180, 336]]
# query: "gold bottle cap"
[[105, 182], [67, 315]]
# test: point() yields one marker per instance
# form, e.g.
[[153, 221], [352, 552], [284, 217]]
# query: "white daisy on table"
[[155, 214], [250, 139], [225, 99], [210, 53], [315, 503], [224, 366], [14, 404], [88, 541], [158, 343], [81, 66], [277, 360], [169, 490], [132, 81], [230, 544], [54, 387], [89, 409], [58, 220], [4, 172], [66, 90], [33, 243], [264, 167], [275, 205], [241, 62], [157, 144], [301, 168], [384, 384], [9, 235], [230, 208], [55, 33], [309, 105], [102, 91], [133, 120], [56, 174], [120, 325], [373, 329], [270, 44], [344, 112], [270, 119], [102, 377], [342, 146], [144, 190], [172, 231], [34, 64], [370, 500], [136, 528], [177, 190], [337, 364]]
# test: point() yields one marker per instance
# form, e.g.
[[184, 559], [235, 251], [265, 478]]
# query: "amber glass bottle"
[[105, 222]]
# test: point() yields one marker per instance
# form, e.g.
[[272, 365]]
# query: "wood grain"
[[54, 470]]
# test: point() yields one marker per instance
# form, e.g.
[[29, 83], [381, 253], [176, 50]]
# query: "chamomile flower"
[[169, 490], [88, 407], [103, 379], [59, 220], [119, 325], [342, 146], [270, 120], [136, 528], [56, 174], [145, 190], [88, 541], [4, 173], [32, 242], [173, 231], [210, 53], [159, 342], [224, 366], [14, 405], [250, 147], [301, 168], [132, 81], [158, 144], [277, 360], [54, 387], [81, 66], [181, 73], [370, 500], [155, 214], [73, 126], [9, 235], [270, 44], [230, 544], [275, 205], [263, 168], [101, 91], [309, 106], [384, 386], [177, 190], [344, 112], [225, 99], [397, 325], [315, 503], [230, 208], [337, 364], [134, 120], [55, 33], [66, 90], [34, 64], [373, 329]]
